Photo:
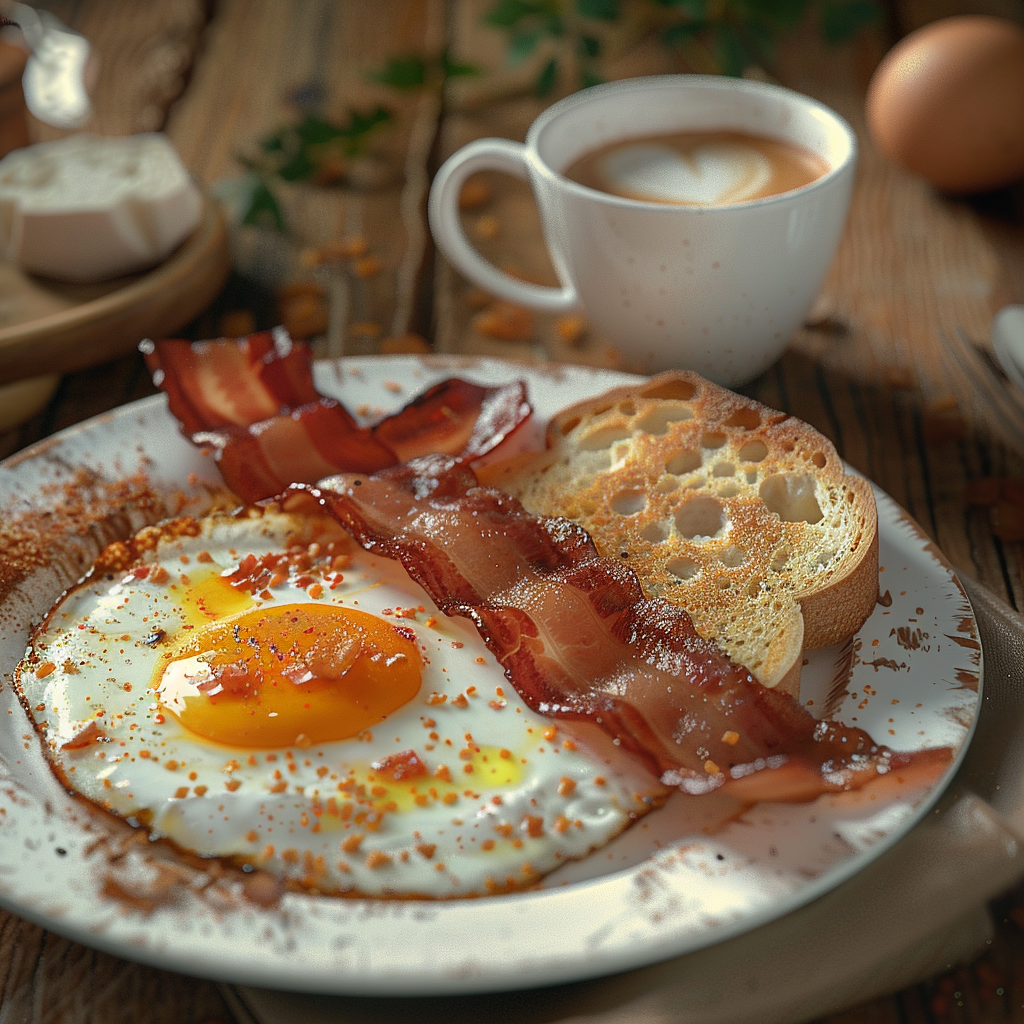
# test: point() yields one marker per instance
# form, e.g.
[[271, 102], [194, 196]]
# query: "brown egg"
[[947, 102]]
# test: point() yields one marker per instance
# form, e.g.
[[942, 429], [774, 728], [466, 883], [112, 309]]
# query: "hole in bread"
[[818, 458], [751, 476], [724, 469], [603, 437], [791, 497], [680, 390], [661, 417], [666, 485], [701, 516], [754, 451], [729, 490], [724, 583], [747, 418], [628, 503], [654, 533], [682, 568], [754, 590], [779, 560], [713, 439], [627, 407], [570, 425], [732, 557], [683, 462]]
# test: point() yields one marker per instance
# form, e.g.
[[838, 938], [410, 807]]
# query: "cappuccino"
[[698, 168]]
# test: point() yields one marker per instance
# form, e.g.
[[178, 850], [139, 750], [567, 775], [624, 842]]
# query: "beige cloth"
[[916, 911]]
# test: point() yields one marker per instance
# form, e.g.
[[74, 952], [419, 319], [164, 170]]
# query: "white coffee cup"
[[716, 289]]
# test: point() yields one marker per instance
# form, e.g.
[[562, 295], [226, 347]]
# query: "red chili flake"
[[91, 733], [377, 859], [45, 669], [533, 826], [401, 766]]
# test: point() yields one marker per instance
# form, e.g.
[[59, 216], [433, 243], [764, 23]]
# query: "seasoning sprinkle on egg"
[[284, 731]]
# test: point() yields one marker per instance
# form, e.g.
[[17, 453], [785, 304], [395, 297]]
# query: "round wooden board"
[[48, 327]]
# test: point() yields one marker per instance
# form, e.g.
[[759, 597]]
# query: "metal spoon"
[[55, 76], [1008, 342]]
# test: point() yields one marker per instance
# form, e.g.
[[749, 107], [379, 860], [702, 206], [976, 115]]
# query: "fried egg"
[[257, 687]]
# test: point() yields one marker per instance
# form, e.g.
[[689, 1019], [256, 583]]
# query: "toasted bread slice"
[[744, 516]]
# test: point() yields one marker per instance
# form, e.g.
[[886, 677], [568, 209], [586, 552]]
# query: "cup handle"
[[446, 226]]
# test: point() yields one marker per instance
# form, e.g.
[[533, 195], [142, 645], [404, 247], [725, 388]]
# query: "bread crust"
[[743, 515]]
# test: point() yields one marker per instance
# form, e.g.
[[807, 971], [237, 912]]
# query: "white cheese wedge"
[[87, 208]]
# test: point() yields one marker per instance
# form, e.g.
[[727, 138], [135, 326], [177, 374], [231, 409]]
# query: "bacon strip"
[[252, 402], [231, 381], [578, 639]]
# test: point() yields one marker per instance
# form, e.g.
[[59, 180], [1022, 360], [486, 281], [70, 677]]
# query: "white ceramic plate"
[[683, 878]]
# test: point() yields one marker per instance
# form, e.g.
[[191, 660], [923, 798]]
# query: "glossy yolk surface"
[[295, 674]]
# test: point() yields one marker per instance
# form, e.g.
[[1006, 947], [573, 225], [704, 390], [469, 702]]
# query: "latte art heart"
[[710, 175], [697, 168]]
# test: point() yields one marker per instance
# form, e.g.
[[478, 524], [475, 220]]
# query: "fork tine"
[[1000, 408]]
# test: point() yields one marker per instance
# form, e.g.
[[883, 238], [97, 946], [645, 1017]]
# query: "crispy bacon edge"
[[253, 403], [578, 639]]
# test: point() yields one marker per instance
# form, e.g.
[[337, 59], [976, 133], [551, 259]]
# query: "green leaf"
[[598, 10], [680, 36], [695, 10], [458, 69], [546, 79], [590, 47], [299, 167], [729, 49], [315, 131], [409, 72], [360, 124], [590, 77], [508, 13], [782, 15], [521, 45], [263, 209], [554, 25], [272, 143], [841, 20]]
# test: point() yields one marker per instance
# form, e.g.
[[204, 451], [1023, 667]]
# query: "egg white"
[[508, 796]]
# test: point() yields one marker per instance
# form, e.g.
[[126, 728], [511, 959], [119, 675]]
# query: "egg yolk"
[[290, 675]]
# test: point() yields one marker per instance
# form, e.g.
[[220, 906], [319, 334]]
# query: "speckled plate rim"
[[655, 899]]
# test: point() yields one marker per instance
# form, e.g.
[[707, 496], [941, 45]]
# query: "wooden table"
[[216, 75]]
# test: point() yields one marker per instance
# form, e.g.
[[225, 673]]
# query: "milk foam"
[[713, 174]]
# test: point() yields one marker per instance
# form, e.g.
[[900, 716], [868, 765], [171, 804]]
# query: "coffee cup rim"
[[722, 83]]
